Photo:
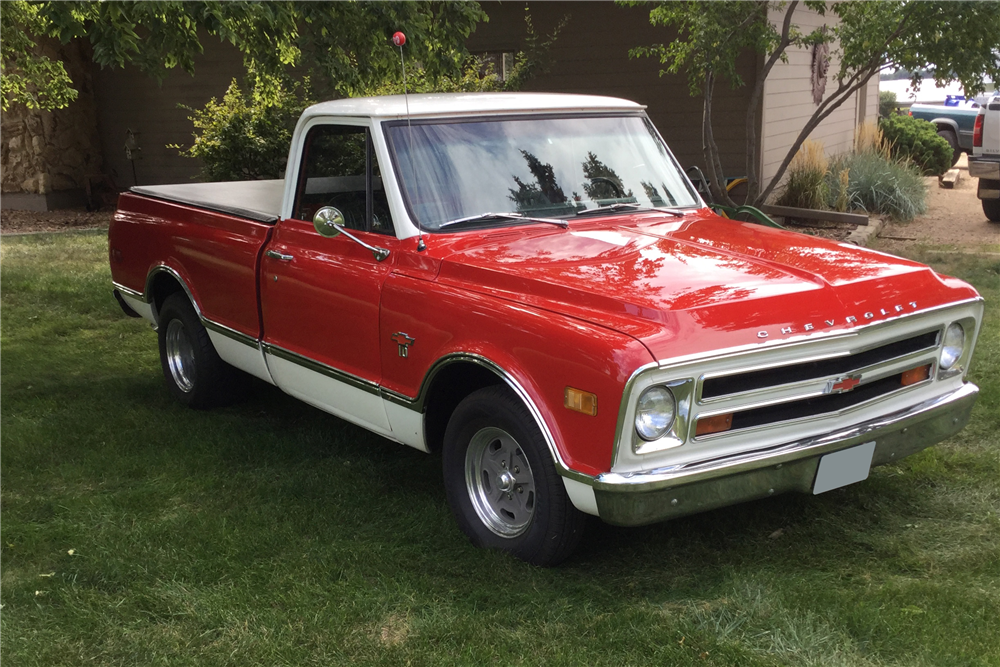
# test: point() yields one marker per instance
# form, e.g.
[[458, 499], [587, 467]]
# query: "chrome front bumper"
[[640, 498]]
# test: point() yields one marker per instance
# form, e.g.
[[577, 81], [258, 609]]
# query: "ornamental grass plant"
[[806, 186], [877, 185], [874, 178]]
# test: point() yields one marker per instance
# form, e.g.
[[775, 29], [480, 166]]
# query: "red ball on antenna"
[[399, 39]]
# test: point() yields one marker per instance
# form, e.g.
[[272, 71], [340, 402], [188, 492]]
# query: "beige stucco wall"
[[42, 152], [788, 100]]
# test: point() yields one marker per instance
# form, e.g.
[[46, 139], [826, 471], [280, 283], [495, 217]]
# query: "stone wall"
[[45, 152]]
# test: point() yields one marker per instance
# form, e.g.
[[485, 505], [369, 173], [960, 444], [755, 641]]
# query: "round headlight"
[[952, 346], [654, 413]]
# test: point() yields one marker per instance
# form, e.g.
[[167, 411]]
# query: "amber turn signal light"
[[581, 401], [915, 375], [716, 424]]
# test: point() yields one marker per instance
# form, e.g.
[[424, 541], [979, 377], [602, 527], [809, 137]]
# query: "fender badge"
[[404, 341], [841, 385]]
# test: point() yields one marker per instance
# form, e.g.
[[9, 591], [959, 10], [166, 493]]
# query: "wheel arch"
[[946, 124], [455, 376], [162, 282]]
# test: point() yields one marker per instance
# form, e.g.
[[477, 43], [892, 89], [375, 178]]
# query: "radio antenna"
[[399, 39]]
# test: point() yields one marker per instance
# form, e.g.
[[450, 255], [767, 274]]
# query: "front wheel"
[[502, 484]]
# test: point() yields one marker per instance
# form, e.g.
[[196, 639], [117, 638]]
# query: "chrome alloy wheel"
[[180, 356], [499, 481]]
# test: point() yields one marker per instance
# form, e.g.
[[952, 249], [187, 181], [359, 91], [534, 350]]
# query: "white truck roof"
[[451, 104]]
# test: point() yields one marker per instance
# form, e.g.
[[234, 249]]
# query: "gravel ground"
[[954, 217]]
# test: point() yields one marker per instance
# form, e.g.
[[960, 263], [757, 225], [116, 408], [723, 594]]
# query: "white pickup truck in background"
[[984, 163]]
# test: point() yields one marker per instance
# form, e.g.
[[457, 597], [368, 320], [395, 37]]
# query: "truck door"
[[320, 296]]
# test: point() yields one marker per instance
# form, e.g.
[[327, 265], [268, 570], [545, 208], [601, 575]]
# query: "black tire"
[[492, 432], [952, 139], [991, 207], [195, 374]]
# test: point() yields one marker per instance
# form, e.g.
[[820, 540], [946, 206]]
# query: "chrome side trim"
[[223, 330], [418, 403], [321, 368], [671, 476], [163, 268], [129, 292]]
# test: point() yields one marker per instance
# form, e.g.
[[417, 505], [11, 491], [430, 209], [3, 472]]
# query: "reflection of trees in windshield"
[[604, 181], [654, 195], [539, 195]]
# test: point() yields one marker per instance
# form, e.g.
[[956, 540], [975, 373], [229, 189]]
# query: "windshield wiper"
[[622, 206], [502, 217]]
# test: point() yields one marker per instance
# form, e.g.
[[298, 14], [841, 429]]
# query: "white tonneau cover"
[[256, 200]]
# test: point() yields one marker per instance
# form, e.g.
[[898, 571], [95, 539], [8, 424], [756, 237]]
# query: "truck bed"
[[256, 200]]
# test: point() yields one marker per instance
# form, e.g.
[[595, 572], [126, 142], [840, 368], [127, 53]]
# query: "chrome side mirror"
[[328, 221]]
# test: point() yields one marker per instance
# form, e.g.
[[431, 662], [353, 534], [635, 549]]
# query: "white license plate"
[[844, 467]]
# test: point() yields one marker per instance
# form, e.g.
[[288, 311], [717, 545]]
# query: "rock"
[[63, 182]]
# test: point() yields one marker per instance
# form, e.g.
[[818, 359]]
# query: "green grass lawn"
[[137, 532]]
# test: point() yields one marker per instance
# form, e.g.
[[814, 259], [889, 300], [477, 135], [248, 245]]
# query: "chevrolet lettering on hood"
[[850, 320], [528, 285]]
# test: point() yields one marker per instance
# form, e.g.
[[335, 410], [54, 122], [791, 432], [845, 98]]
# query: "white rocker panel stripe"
[[246, 357], [358, 406]]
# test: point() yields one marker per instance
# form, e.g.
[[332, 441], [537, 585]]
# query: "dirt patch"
[[20, 222], [954, 217]]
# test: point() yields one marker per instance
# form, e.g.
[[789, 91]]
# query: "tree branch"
[[855, 82]]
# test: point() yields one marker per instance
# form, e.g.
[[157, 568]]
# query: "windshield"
[[535, 167]]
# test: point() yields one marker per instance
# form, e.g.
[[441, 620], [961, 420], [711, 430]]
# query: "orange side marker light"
[[581, 401], [716, 424], [915, 375]]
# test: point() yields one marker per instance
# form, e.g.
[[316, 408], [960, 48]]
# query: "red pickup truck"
[[528, 284]]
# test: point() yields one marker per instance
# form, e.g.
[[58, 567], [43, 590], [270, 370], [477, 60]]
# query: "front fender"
[[537, 352]]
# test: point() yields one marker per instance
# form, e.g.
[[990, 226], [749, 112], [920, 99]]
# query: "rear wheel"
[[502, 484], [952, 139], [195, 374], [991, 207]]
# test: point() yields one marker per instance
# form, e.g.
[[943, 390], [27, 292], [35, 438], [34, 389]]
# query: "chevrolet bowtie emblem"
[[404, 341], [840, 385]]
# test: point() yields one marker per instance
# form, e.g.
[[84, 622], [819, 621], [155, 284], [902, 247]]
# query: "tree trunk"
[[710, 150]]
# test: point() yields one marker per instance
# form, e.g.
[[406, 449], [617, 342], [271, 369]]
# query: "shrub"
[[917, 140], [886, 103], [246, 139], [877, 185], [806, 186]]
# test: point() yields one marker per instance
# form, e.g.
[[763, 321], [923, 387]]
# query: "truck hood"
[[683, 286]]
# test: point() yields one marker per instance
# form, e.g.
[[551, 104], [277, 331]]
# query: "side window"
[[339, 169]]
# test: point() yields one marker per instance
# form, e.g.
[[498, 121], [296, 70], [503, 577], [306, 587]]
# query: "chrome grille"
[[717, 387], [786, 392]]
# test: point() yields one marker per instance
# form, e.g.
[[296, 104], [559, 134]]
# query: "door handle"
[[277, 255]]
